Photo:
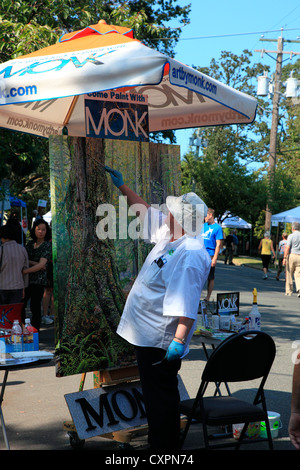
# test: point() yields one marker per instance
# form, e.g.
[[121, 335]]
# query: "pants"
[[228, 255], [292, 269], [280, 267], [161, 397], [265, 260], [211, 274], [13, 296], [35, 293]]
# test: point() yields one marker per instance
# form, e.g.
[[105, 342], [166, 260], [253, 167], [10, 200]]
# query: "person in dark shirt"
[[229, 248]]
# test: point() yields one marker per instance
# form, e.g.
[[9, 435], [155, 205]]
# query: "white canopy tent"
[[43, 93], [289, 216], [236, 223], [48, 217]]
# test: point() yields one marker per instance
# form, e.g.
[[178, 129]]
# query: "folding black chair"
[[242, 357]]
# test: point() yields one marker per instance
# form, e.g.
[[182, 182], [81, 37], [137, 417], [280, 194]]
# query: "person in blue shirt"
[[212, 235]]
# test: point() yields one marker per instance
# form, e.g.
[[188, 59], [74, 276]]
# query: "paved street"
[[35, 408], [280, 318]]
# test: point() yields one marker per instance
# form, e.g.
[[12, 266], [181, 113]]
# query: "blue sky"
[[221, 25]]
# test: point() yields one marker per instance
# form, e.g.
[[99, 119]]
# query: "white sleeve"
[[184, 289]]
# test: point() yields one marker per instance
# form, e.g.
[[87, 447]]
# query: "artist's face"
[[174, 226], [40, 231], [170, 220]]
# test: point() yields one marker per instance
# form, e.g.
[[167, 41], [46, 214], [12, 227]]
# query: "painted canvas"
[[92, 275]]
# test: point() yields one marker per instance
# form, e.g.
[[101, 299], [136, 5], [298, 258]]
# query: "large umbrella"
[[43, 92]]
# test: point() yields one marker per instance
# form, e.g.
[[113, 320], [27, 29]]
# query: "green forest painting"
[[93, 276]]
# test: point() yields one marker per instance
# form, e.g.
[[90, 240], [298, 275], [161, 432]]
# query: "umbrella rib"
[[70, 111]]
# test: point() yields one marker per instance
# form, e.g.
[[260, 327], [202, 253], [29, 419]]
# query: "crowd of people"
[[159, 317], [288, 256], [33, 284], [287, 253]]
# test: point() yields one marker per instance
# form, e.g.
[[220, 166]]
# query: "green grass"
[[248, 260], [254, 262]]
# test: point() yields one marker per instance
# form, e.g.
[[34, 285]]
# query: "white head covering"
[[189, 211]]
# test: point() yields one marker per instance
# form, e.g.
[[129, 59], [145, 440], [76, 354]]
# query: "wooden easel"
[[106, 378]]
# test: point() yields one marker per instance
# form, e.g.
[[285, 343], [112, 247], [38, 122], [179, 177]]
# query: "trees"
[[284, 190], [221, 180], [28, 26], [220, 172], [287, 175]]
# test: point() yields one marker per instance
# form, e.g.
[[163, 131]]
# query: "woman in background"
[[266, 247], [39, 252], [281, 248]]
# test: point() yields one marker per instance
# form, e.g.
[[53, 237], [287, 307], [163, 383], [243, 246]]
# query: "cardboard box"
[[6, 344]]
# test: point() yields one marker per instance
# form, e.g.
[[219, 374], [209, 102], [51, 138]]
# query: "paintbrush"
[[98, 161], [107, 168]]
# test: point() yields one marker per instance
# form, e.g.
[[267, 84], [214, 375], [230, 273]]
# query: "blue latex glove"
[[116, 176], [174, 351]]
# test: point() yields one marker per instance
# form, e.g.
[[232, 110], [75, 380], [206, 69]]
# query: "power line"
[[294, 19], [228, 35]]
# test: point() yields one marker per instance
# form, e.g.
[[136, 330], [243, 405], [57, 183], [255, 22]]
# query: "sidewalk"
[[35, 409]]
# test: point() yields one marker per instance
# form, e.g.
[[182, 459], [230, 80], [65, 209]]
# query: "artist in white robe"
[[161, 310]]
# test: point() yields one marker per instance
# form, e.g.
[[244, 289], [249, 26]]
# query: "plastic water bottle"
[[254, 316], [16, 336], [28, 336], [225, 320], [204, 314], [232, 322]]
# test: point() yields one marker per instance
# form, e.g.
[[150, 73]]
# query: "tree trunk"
[[93, 300]]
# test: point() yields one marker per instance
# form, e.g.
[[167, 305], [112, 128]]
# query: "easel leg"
[[97, 376], [1, 412], [82, 380]]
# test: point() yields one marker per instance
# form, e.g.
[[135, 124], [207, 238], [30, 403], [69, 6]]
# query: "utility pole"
[[275, 118], [273, 133]]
